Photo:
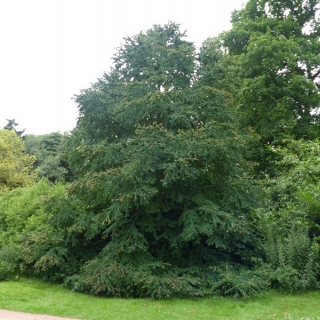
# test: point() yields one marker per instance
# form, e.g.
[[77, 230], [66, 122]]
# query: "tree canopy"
[[277, 45], [161, 177], [195, 171], [48, 151], [16, 168]]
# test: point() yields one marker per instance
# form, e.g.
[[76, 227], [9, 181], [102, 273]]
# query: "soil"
[[12, 315]]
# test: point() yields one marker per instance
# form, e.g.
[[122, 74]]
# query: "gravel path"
[[12, 315]]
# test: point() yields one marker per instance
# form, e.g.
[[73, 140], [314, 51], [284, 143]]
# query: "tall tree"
[[278, 48], [161, 192]]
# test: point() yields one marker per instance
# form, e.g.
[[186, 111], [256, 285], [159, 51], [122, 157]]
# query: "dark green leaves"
[[158, 157]]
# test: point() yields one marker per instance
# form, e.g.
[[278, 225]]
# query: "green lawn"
[[37, 297]]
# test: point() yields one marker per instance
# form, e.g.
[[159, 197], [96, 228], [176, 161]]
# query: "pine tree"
[[161, 192]]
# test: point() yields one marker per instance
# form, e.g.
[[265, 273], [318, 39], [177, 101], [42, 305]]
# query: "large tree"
[[277, 45], [161, 196]]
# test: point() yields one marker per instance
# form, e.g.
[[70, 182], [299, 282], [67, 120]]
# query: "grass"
[[37, 297]]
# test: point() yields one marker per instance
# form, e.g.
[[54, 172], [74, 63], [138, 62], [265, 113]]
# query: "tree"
[[11, 125], [16, 168], [162, 192], [47, 149], [277, 45]]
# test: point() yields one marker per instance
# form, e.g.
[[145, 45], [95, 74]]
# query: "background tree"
[[16, 168], [11, 125], [276, 45], [48, 149]]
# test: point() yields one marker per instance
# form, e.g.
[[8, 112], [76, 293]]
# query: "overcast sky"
[[51, 49]]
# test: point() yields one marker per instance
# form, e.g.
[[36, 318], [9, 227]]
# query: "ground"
[[12, 315]]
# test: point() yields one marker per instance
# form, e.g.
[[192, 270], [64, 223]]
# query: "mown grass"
[[36, 297]]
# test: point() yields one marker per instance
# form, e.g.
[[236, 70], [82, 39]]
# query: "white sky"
[[51, 49]]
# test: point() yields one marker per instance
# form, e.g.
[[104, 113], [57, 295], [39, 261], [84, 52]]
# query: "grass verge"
[[33, 296]]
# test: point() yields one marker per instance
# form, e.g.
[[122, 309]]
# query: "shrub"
[[293, 258], [241, 282], [9, 261], [22, 213]]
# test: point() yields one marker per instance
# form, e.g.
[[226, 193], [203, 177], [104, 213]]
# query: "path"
[[12, 315]]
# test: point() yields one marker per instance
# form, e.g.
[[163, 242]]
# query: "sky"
[[51, 49]]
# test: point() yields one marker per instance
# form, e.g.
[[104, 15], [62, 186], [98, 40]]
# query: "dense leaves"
[[47, 149], [164, 201], [159, 160], [278, 48], [16, 168], [22, 218]]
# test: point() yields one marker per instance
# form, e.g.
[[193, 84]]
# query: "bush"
[[241, 282], [22, 213], [293, 258], [9, 261], [154, 280]]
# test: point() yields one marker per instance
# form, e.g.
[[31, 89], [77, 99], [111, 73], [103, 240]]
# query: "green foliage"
[[289, 222], [15, 167], [163, 203], [22, 209], [293, 258], [48, 149], [9, 261], [22, 216], [154, 280], [294, 191], [241, 282], [162, 185], [275, 44]]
